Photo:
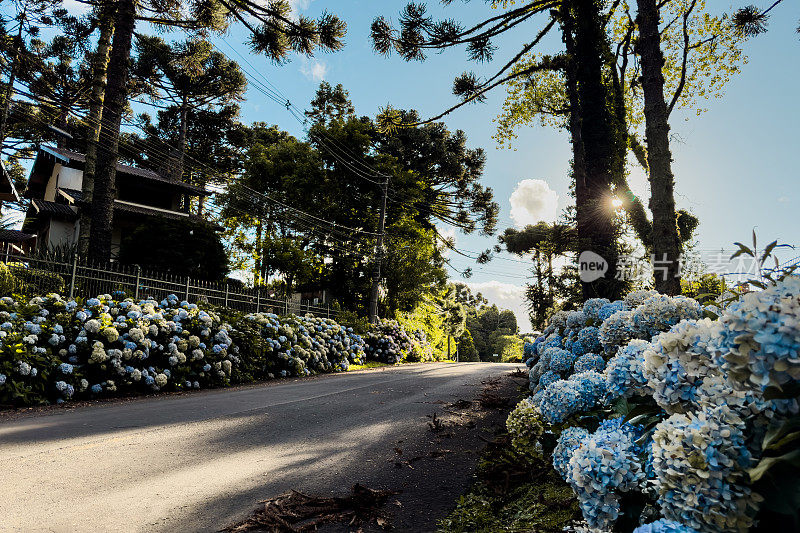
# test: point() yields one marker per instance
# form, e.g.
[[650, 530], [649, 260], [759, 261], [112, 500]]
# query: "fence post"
[[258, 299], [227, 292], [188, 279], [328, 310], [138, 281], [72, 278]]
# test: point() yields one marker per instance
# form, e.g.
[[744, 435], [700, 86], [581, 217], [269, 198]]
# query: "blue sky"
[[735, 165]]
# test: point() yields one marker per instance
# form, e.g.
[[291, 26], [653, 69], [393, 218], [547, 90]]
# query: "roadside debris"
[[295, 512]]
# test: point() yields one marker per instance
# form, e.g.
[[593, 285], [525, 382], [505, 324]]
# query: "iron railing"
[[74, 277]]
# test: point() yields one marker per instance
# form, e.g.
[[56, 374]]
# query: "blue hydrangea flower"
[[557, 322], [664, 526], [708, 447], [592, 306], [569, 440], [616, 331], [760, 337], [3, 379], [610, 308], [560, 360], [660, 313], [97, 388], [576, 320], [561, 400], [65, 368], [591, 388], [625, 372], [605, 464], [548, 378], [589, 361], [678, 362], [589, 338]]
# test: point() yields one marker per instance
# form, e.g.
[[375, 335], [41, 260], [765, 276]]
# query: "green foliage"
[[508, 347], [705, 288], [466, 348], [9, 283], [425, 317], [765, 275], [528, 496], [182, 247], [525, 427], [33, 281], [351, 319]]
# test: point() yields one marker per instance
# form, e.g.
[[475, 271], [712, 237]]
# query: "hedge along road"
[[200, 461]]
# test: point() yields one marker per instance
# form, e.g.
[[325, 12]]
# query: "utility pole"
[[376, 276]]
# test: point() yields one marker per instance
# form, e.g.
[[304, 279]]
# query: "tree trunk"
[[593, 141], [108, 150], [99, 70], [666, 242], [448, 347], [12, 78]]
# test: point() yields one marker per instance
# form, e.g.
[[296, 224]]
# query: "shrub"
[[709, 432], [9, 283], [34, 281], [55, 350]]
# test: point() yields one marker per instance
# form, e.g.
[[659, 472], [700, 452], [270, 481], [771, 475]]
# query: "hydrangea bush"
[[391, 343], [646, 396], [55, 349]]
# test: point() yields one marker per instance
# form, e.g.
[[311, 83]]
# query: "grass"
[[367, 365], [514, 494]]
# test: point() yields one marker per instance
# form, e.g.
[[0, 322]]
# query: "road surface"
[[200, 461]]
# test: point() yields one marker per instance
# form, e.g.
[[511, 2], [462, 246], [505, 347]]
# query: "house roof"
[[69, 156], [14, 235], [72, 195], [139, 209], [43, 207]]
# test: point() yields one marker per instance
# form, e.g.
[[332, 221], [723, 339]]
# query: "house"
[[54, 189]]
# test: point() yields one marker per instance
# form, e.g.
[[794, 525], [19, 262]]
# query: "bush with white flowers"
[[389, 342], [55, 349], [693, 408]]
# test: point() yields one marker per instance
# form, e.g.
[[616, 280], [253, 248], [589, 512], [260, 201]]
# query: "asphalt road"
[[199, 461]]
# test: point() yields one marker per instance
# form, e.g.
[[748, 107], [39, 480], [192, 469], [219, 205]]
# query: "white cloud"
[[314, 69], [299, 5], [505, 296], [533, 201]]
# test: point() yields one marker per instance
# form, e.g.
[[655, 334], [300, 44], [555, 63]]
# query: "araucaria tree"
[[191, 76], [274, 32]]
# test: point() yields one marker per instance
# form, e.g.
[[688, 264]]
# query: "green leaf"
[[786, 392], [763, 466], [622, 407], [641, 410], [776, 432], [768, 250]]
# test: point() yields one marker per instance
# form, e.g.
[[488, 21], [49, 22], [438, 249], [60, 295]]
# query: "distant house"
[[142, 196]]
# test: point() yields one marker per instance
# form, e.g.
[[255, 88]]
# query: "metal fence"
[[79, 278]]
